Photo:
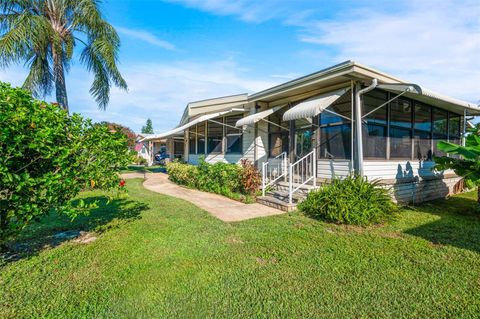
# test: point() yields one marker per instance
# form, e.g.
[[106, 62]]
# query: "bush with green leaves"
[[47, 157], [352, 200], [231, 180], [465, 161], [182, 174]]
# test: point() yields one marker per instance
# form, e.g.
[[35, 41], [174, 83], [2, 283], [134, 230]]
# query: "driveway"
[[223, 208]]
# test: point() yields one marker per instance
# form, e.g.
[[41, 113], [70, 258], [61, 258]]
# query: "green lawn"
[[157, 256]]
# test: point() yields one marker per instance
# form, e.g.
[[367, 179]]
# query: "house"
[[348, 118], [172, 147]]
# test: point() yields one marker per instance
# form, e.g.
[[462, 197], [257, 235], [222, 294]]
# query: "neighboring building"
[[309, 126], [171, 147]]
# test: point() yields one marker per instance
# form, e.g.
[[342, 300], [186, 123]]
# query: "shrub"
[[230, 180], [220, 178], [182, 174], [47, 157], [140, 160], [353, 200], [251, 178]]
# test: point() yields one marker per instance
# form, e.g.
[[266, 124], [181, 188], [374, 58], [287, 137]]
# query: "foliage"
[[148, 128], [466, 163], [47, 157], [131, 136], [158, 250], [140, 160], [352, 200], [230, 180], [251, 177], [44, 34], [182, 174]]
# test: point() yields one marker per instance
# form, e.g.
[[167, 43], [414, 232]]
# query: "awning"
[[254, 118], [180, 129], [313, 106], [421, 94]]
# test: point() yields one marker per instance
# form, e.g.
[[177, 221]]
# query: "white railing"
[[273, 170], [301, 172]]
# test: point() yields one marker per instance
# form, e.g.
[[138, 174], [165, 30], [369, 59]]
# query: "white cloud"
[[157, 91], [246, 10], [436, 44], [161, 91], [433, 42], [147, 37]]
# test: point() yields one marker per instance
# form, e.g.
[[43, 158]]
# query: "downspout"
[[358, 123]]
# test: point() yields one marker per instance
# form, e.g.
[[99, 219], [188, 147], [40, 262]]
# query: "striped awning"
[[313, 106], [254, 118]]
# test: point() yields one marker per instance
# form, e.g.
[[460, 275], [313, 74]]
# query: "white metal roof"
[[254, 118], [313, 106], [420, 93]]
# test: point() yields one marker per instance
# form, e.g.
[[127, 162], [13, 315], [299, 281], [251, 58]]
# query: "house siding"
[[328, 169]]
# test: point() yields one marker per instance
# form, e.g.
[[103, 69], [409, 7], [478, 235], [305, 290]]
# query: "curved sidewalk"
[[219, 206]]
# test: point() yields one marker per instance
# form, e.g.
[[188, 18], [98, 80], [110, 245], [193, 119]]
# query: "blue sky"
[[176, 51]]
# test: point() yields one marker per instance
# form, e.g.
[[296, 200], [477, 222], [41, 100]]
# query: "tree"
[[44, 33], [148, 128], [47, 157], [131, 136], [467, 161]]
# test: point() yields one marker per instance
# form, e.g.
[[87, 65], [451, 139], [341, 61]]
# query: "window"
[[376, 147], [401, 129], [375, 130], [454, 121], [178, 149], [335, 141], [192, 136], [335, 131], [303, 138], [422, 132], [215, 136], [454, 126], [234, 136], [201, 138], [400, 143], [277, 137], [440, 129]]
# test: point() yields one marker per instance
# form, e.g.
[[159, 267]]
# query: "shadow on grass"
[[144, 169], [55, 229], [458, 226]]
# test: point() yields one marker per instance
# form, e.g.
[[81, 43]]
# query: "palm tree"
[[44, 34]]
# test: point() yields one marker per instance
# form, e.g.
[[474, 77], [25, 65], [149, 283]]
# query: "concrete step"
[[283, 196], [276, 203], [302, 191]]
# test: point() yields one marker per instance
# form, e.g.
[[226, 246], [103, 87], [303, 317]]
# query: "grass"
[[157, 256]]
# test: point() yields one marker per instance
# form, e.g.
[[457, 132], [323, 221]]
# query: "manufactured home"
[[345, 119]]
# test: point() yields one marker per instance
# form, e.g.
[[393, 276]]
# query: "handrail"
[[306, 169], [268, 169]]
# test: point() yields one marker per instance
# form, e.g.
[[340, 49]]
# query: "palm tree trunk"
[[60, 86]]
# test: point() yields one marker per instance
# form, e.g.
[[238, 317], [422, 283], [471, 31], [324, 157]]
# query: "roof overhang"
[[219, 104], [179, 130], [421, 94]]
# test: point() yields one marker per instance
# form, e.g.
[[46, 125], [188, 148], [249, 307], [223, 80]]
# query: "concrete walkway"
[[219, 206]]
